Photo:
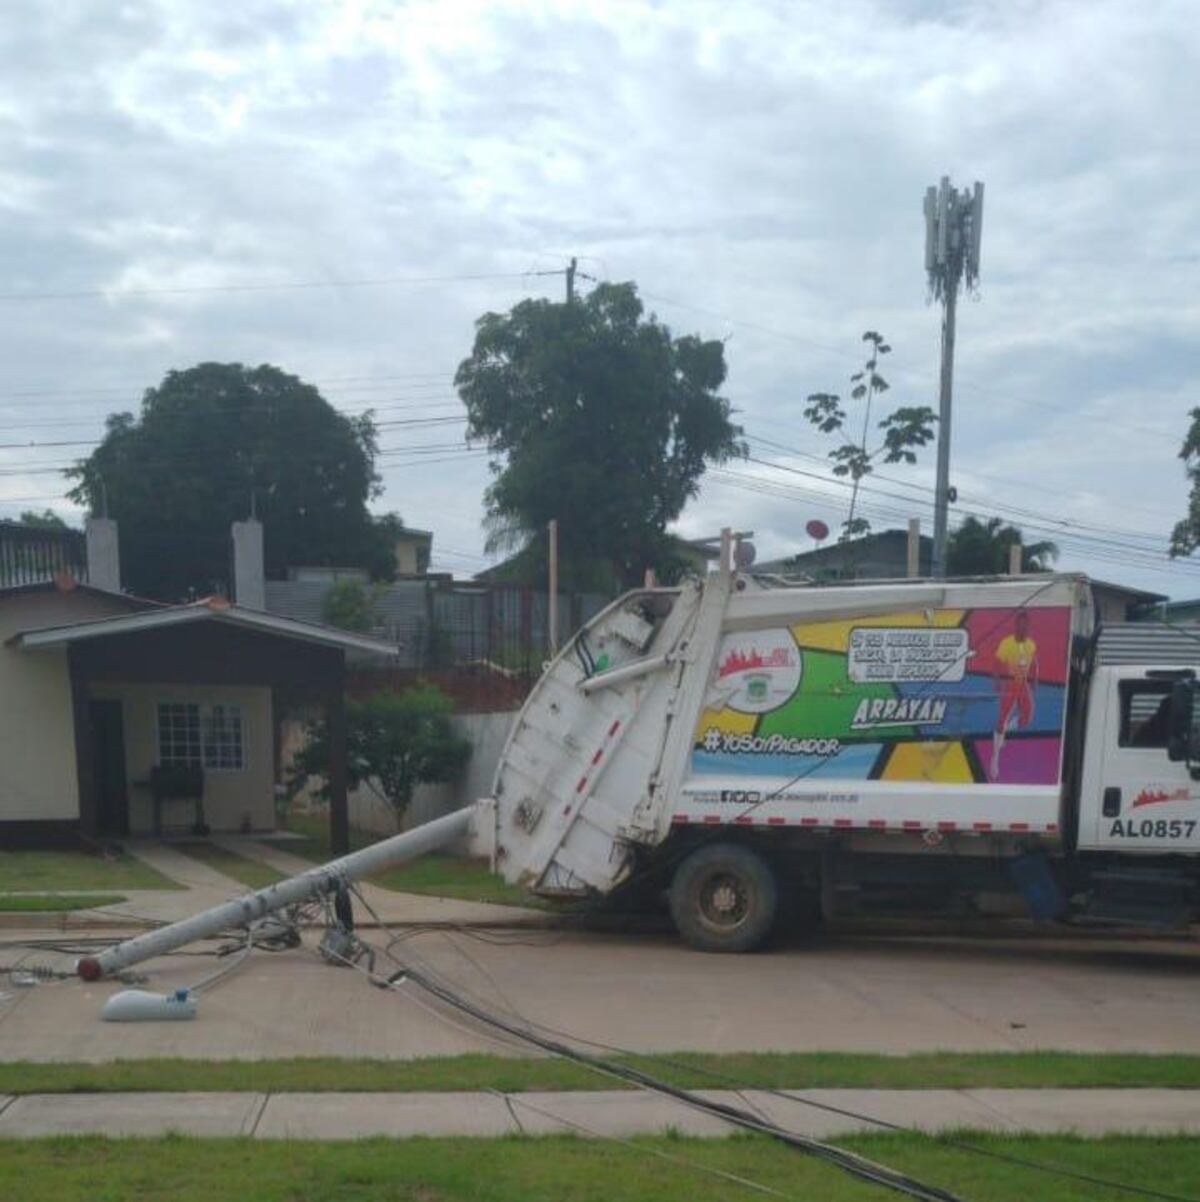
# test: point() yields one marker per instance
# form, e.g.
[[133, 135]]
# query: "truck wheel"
[[724, 899]]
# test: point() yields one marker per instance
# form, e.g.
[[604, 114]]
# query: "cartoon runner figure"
[[1015, 678]]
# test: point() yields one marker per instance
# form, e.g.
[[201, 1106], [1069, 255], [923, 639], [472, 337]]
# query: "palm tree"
[[981, 549]]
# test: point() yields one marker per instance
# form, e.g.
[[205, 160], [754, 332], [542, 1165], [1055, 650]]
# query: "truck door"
[[1134, 799]]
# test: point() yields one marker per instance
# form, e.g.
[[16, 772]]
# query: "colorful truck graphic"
[[945, 695]]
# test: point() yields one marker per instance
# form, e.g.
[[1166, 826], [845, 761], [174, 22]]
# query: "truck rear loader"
[[771, 753]]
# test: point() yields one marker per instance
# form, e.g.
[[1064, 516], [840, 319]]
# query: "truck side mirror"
[[1182, 717]]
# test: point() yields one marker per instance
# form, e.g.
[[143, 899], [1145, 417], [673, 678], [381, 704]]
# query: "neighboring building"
[[326, 576], [1119, 603], [527, 567], [882, 556], [413, 551], [885, 556], [107, 702], [1175, 613], [32, 554]]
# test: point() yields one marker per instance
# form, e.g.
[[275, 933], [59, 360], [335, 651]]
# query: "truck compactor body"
[[767, 754]]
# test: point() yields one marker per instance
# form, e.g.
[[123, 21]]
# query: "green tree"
[[1185, 537], [598, 417], [350, 605], [46, 520], [394, 742], [982, 548], [904, 429], [210, 441]]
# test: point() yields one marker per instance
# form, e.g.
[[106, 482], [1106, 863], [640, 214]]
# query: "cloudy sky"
[[341, 188]]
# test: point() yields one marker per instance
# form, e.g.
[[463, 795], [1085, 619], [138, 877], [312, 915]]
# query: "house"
[[115, 710], [882, 556], [413, 551], [1174, 613], [1120, 603], [32, 553], [885, 556]]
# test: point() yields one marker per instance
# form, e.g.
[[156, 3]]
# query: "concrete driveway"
[[649, 993]]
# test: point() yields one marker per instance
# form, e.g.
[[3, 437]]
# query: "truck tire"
[[724, 899]]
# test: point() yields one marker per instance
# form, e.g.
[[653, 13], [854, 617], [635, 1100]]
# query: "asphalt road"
[[649, 993]]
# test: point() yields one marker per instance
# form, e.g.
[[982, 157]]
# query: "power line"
[[1098, 551], [95, 442], [508, 1020], [975, 501], [283, 286], [925, 378], [133, 400], [429, 405], [365, 381]]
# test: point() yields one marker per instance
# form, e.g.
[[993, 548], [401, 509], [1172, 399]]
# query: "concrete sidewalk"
[[1090, 1112], [205, 887], [396, 909]]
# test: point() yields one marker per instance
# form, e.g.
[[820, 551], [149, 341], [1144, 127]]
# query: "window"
[[1145, 713], [223, 736], [179, 734], [207, 735]]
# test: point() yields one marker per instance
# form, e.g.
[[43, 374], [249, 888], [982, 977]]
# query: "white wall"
[[230, 797], [486, 734], [38, 776]]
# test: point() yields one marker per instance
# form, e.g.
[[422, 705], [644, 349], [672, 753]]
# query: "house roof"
[[211, 609], [1134, 594], [63, 583]]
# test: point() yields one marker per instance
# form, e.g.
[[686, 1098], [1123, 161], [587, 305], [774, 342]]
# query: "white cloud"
[[757, 168]]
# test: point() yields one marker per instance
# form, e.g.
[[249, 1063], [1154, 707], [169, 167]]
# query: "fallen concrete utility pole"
[[317, 882]]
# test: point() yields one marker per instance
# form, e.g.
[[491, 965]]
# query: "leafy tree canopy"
[[47, 519], [207, 440], [598, 417], [981, 549], [394, 742], [1185, 537], [350, 605]]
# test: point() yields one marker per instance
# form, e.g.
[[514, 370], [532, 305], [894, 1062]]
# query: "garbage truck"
[[768, 753]]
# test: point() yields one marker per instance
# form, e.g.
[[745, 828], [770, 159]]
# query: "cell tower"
[[953, 229]]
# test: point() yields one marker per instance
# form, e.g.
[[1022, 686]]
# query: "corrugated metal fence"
[[438, 624], [1148, 642], [31, 554]]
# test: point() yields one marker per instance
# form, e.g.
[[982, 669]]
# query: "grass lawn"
[[251, 873], [782, 1070], [27, 903], [437, 875], [554, 1168], [75, 870]]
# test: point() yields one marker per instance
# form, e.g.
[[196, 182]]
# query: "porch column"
[[85, 771], [339, 812]]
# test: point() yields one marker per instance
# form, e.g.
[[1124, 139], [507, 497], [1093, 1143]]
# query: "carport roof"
[[211, 609]]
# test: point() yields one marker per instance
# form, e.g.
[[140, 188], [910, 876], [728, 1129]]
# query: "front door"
[[108, 764], [1135, 799]]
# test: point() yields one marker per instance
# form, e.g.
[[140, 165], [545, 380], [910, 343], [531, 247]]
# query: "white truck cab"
[[1138, 795]]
